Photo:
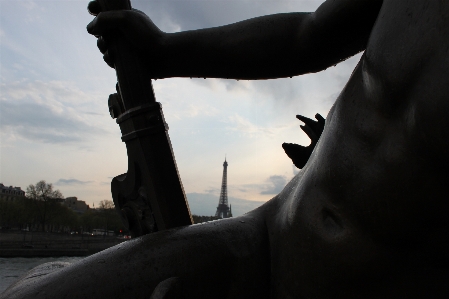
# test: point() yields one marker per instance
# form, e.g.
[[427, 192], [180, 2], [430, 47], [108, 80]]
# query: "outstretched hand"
[[133, 25], [298, 153]]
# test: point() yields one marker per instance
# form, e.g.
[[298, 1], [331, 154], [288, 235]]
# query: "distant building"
[[223, 210], [11, 193], [78, 206]]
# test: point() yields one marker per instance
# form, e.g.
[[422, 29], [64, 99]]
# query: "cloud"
[[53, 92], [213, 191], [71, 182], [244, 126], [28, 5], [275, 185], [39, 123], [280, 90], [193, 110], [49, 112]]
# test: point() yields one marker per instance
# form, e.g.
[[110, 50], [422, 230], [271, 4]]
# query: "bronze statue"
[[366, 217]]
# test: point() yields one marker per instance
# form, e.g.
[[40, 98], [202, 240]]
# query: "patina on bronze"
[[150, 196], [366, 217]]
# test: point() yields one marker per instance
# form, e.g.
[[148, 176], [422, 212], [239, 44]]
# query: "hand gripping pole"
[[150, 196]]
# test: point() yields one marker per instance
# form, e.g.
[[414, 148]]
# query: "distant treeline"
[[51, 216], [41, 210], [29, 214]]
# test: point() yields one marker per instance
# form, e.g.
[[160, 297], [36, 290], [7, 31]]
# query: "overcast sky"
[[55, 123]]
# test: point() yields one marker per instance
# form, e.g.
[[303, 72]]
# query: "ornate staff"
[[150, 196]]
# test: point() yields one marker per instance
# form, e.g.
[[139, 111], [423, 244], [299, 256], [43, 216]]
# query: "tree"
[[107, 210], [106, 204], [64, 218], [19, 213], [45, 199], [111, 218], [90, 220]]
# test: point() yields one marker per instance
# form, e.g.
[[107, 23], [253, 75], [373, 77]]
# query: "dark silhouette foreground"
[[367, 215]]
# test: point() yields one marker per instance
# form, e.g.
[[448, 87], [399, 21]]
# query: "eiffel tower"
[[223, 211]]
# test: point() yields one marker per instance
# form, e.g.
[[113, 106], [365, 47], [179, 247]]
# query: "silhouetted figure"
[[367, 215]]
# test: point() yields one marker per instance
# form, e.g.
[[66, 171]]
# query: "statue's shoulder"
[[407, 40]]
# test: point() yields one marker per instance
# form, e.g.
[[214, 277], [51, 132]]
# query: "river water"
[[12, 268]]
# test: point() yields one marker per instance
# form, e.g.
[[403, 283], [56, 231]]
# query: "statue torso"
[[368, 211]]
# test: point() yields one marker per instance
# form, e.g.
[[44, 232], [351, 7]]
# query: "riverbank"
[[41, 244]]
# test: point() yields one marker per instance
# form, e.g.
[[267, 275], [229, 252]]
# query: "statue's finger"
[[310, 133], [94, 8], [106, 21], [90, 27], [297, 153], [320, 119], [309, 122], [108, 59], [102, 45]]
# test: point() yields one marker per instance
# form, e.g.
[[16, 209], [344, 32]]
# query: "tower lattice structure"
[[223, 210]]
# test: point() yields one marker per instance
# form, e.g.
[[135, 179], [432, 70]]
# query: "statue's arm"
[[273, 46], [229, 255]]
